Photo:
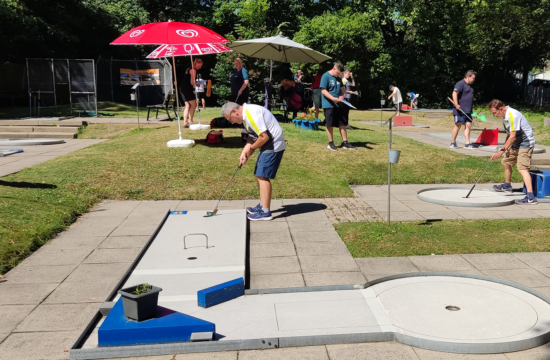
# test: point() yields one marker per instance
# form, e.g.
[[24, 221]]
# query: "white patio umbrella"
[[278, 48]]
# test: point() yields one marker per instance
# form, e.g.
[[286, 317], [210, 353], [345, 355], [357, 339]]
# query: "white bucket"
[[394, 156]]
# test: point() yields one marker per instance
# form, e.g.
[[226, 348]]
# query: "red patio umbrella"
[[170, 33], [187, 50]]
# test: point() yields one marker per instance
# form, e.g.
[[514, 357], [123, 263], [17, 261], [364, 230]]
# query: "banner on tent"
[[143, 76]]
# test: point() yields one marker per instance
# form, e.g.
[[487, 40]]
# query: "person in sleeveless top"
[[187, 90], [239, 83]]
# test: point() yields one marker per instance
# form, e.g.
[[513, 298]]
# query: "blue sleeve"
[[245, 74], [324, 82]]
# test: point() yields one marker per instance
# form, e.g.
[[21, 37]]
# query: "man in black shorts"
[[331, 88]]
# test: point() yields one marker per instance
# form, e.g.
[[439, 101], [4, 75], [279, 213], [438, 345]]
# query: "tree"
[[352, 38], [511, 35]]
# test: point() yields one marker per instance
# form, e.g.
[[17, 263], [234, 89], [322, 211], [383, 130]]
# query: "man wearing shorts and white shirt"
[[199, 90], [397, 99], [331, 88], [463, 98], [518, 149], [264, 133]]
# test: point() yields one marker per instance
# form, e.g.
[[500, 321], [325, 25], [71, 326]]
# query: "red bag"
[[214, 137]]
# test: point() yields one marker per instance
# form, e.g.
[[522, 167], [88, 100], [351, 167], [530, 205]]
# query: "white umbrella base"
[[199, 127], [181, 143]]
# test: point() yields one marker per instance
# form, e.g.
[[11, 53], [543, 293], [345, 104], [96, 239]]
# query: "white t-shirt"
[[257, 120], [200, 87], [515, 121], [396, 97]]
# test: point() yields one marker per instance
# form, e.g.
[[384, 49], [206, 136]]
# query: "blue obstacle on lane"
[[168, 326], [221, 293]]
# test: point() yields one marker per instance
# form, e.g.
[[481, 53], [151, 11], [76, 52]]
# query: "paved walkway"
[[405, 206], [50, 297], [418, 136], [37, 154]]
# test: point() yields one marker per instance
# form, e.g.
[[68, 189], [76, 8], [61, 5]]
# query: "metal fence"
[[54, 82], [538, 92], [112, 89]]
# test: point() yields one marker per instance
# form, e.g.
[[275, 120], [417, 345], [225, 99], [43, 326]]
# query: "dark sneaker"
[[254, 210], [348, 146], [453, 146], [503, 188], [527, 201], [260, 215], [348, 127], [469, 147], [332, 147]]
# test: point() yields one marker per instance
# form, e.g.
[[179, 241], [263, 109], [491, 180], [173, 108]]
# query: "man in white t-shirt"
[[397, 99], [264, 133], [518, 149], [199, 90]]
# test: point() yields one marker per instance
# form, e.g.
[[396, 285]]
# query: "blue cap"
[[391, 86]]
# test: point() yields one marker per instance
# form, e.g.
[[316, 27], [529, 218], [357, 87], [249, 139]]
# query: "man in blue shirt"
[[463, 98], [331, 88]]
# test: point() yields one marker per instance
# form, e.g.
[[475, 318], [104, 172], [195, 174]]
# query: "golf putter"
[[472, 189], [462, 111], [215, 211]]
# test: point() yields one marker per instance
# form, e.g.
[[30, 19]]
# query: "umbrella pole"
[[196, 95], [270, 70], [177, 97]]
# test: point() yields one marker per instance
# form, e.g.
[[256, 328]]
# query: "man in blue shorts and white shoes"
[[463, 98], [264, 133], [518, 149], [333, 92]]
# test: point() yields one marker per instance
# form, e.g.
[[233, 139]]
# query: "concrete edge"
[[173, 348], [452, 203], [473, 348], [294, 341], [303, 289]]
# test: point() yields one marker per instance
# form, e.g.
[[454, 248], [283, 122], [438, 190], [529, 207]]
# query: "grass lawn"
[[446, 237], [39, 202]]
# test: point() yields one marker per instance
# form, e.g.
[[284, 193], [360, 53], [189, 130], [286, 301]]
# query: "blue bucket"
[[306, 124]]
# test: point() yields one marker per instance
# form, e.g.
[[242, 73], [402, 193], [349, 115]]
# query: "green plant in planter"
[[142, 289]]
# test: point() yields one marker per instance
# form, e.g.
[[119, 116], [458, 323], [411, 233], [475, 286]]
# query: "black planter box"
[[140, 307]]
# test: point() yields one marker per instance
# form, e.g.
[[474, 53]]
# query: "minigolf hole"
[[192, 258], [452, 308]]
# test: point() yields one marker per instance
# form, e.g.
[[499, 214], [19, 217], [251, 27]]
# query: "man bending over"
[[518, 149], [265, 134]]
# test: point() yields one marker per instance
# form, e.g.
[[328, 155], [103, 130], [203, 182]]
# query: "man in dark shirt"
[[463, 98]]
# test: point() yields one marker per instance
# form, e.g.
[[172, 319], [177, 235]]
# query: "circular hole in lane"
[[192, 258], [452, 308]]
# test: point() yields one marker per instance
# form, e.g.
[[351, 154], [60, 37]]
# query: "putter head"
[[211, 213]]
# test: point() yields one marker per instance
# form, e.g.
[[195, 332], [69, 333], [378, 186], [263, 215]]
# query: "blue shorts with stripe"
[[462, 119], [268, 164]]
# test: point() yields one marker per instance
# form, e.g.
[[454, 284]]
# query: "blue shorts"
[[268, 164], [462, 119]]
